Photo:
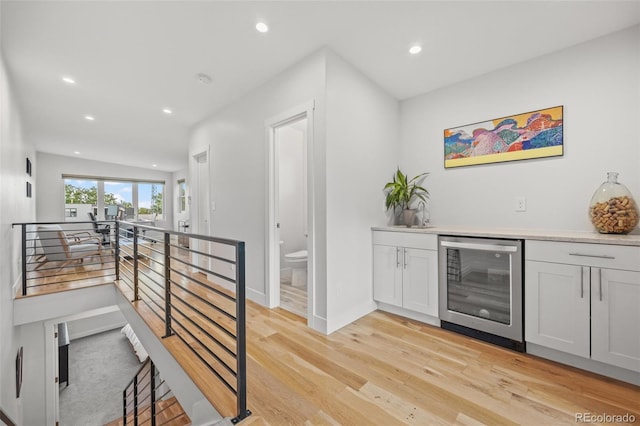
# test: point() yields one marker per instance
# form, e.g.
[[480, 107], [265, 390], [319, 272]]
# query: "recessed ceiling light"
[[167, 111], [68, 80], [76, 152], [415, 49], [204, 78], [262, 27], [89, 117], [154, 165]]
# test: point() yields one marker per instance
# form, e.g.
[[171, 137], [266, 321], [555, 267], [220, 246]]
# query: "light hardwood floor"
[[383, 370]]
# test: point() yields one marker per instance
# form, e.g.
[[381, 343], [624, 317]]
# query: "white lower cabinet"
[[405, 271], [579, 299]]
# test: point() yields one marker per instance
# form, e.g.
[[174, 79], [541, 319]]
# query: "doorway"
[[290, 218], [200, 208], [291, 190]]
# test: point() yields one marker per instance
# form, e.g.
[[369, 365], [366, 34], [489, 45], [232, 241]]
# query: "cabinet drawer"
[[406, 239], [596, 255]]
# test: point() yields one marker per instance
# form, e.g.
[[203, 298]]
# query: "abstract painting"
[[534, 134]]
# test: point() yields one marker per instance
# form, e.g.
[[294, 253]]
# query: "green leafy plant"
[[401, 191]]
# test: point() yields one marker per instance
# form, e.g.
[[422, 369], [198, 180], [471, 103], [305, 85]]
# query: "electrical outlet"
[[521, 204]]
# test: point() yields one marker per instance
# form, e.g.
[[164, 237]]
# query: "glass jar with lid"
[[612, 209]]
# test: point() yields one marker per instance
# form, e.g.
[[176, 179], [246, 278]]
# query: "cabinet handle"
[[599, 256], [397, 257], [582, 283], [599, 283], [404, 258]]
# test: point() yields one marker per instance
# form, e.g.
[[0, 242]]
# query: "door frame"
[[272, 243], [195, 202]]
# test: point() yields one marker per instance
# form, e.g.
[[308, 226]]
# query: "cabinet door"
[[387, 274], [557, 306], [420, 281], [615, 317]]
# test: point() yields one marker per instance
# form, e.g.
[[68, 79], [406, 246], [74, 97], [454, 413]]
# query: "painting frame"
[[28, 167], [523, 136]]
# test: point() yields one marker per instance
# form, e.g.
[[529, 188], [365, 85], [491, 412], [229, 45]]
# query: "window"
[[117, 194], [150, 201], [182, 196], [80, 198], [104, 197]]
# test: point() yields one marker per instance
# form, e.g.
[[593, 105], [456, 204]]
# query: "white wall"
[[88, 326], [238, 147], [362, 141], [598, 84], [14, 207], [50, 186]]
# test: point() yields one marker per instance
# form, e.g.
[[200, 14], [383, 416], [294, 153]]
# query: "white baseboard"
[[417, 316], [618, 373]]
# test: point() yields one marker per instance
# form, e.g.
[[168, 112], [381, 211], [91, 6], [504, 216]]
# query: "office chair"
[[103, 230]]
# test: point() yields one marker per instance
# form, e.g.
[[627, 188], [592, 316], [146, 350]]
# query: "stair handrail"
[[5, 418]]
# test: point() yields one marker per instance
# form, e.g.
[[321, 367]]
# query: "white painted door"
[[557, 306], [615, 317], [420, 281], [387, 274]]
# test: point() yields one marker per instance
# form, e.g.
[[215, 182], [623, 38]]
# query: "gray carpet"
[[100, 366]]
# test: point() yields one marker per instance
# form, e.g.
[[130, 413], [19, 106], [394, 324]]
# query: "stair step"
[[168, 412]]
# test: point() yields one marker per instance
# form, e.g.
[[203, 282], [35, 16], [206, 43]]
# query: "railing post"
[[124, 407], [24, 259], [167, 284], [117, 250], [135, 400], [241, 334], [152, 371], [135, 264]]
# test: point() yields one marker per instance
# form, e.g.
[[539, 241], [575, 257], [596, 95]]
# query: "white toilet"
[[297, 261]]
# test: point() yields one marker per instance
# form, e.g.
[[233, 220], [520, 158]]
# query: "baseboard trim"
[[98, 330]]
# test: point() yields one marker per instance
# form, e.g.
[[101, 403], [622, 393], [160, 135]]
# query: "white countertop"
[[632, 239]]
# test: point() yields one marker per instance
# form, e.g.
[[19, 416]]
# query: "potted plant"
[[402, 192]]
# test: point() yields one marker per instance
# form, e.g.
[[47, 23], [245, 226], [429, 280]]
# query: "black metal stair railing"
[[65, 255], [195, 284], [198, 291], [5, 419], [148, 400]]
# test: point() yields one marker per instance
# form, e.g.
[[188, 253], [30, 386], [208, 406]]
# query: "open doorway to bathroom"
[[291, 165], [290, 242]]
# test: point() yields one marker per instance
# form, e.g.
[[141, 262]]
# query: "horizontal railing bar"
[[219, 343], [61, 223], [217, 308], [209, 255], [207, 286], [63, 282], [145, 275], [151, 299], [208, 366], [208, 271], [50, 268], [32, 275], [148, 360], [208, 319], [206, 347], [160, 296], [225, 241]]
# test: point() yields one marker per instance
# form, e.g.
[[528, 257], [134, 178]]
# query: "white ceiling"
[[132, 58]]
